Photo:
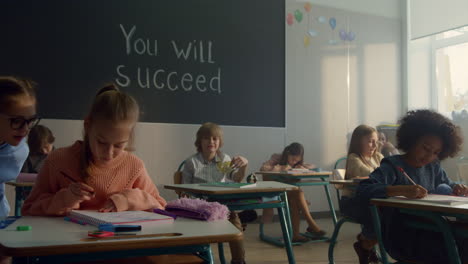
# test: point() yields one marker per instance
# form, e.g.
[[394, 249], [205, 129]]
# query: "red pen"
[[406, 175]]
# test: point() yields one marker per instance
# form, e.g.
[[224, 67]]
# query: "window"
[[450, 82]]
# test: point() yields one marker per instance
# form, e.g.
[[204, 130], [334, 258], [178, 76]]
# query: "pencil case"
[[198, 209]]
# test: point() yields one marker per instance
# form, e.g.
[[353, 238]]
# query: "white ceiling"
[[384, 8]]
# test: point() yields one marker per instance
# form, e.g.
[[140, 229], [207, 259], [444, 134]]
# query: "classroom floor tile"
[[259, 252]]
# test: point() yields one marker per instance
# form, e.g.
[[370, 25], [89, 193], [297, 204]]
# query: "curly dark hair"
[[418, 123]]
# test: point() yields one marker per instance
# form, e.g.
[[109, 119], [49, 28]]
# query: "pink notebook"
[[96, 218]]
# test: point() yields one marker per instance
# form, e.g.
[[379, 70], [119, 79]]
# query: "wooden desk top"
[[20, 184], [414, 204], [262, 187], [53, 235], [295, 174]]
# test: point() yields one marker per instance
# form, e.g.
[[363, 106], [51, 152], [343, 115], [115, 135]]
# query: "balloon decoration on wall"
[[347, 36], [307, 7], [317, 25], [332, 23], [290, 19], [298, 15]]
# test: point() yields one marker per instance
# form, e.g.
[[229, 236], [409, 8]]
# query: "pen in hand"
[[406, 175], [74, 181]]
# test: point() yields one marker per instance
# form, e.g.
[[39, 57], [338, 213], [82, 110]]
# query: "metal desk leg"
[[18, 200], [445, 229], [286, 235], [378, 232], [330, 203], [207, 254], [222, 259], [287, 212]]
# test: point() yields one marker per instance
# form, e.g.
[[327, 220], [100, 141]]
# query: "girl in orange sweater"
[[97, 173]]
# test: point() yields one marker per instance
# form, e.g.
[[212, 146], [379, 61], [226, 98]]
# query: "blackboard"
[[185, 61]]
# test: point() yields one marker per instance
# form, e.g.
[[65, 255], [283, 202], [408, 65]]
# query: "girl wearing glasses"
[[17, 117]]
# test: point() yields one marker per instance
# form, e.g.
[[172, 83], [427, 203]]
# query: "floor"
[[259, 252]]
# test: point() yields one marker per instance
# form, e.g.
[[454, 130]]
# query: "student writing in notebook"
[[292, 157], [99, 172], [363, 158], [210, 164], [17, 117], [426, 137]]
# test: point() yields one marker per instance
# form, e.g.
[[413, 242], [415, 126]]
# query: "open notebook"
[[439, 199], [229, 184], [96, 218]]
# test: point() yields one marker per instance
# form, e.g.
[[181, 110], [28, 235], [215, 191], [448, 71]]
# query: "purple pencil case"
[[198, 209]]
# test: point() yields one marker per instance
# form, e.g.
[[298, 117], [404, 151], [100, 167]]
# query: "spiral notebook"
[[96, 218]]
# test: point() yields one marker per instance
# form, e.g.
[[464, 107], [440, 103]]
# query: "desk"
[[22, 190], [433, 212], [53, 240], [316, 179], [263, 189], [344, 182]]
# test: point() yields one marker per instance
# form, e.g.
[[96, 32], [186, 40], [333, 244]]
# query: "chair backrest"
[[178, 176], [339, 174], [339, 163], [462, 167]]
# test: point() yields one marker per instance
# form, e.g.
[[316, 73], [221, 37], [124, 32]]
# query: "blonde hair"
[[110, 104], [207, 130], [11, 87], [355, 145]]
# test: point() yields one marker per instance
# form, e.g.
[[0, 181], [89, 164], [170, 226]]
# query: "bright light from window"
[[452, 77]]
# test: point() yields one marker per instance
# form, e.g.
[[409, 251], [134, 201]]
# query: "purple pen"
[[69, 219], [164, 212]]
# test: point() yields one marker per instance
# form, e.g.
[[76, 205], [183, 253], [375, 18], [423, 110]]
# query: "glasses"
[[17, 123]]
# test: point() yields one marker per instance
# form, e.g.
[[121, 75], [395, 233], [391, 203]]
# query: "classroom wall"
[[317, 82], [324, 80]]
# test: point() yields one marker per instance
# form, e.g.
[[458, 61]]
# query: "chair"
[[338, 174], [178, 176], [462, 168], [178, 180]]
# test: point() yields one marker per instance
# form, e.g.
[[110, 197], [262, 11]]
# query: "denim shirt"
[[11, 161]]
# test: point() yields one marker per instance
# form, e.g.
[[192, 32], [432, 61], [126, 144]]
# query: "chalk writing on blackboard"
[[200, 51]]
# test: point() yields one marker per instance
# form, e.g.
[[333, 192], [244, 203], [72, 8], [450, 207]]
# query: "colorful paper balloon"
[[347, 36], [290, 19], [332, 22], [306, 41], [322, 19], [298, 15], [313, 33], [343, 35], [307, 7]]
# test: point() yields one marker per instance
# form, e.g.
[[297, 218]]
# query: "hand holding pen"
[[81, 190], [414, 191]]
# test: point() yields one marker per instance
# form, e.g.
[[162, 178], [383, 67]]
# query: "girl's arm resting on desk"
[[143, 196], [270, 164], [409, 191], [376, 185], [381, 185]]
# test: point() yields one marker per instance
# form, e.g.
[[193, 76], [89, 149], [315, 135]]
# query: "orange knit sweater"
[[125, 181]]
